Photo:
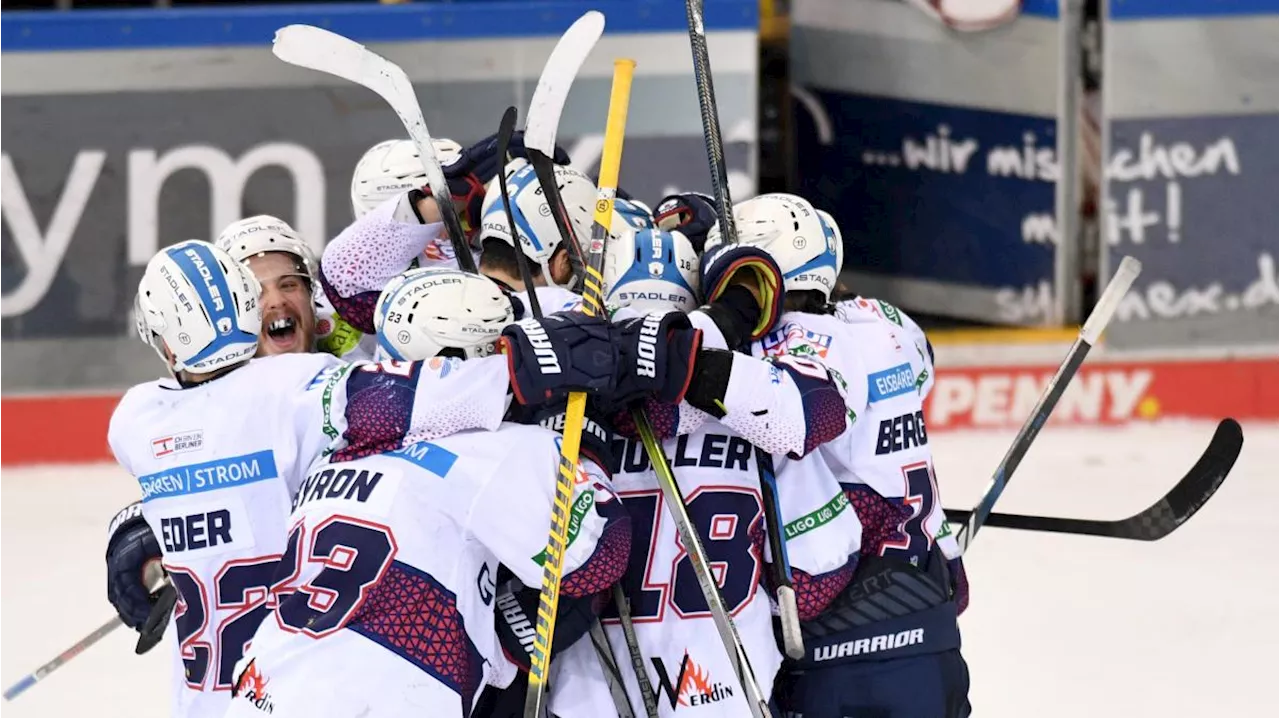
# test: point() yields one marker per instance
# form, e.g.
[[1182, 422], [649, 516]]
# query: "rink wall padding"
[[73, 429]]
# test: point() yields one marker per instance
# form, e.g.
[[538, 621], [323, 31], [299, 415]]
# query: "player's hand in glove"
[[656, 355], [743, 290], [548, 358], [132, 553], [468, 174], [692, 213]]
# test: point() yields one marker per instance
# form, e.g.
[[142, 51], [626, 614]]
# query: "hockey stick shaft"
[[58, 661], [1093, 327], [1156, 521], [647, 694], [598, 638], [325, 51], [788, 613], [733, 646], [710, 119], [505, 131], [575, 412]]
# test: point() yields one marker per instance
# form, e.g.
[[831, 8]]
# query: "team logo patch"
[[178, 443], [692, 686], [795, 340]]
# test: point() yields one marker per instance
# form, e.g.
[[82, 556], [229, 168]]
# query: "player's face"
[[288, 315]]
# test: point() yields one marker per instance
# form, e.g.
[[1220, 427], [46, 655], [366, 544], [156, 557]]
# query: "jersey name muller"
[[209, 476]]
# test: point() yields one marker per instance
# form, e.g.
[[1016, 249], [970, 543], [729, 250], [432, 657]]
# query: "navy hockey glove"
[[131, 548], [732, 265], [514, 626], [548, 358], [692, 213], [656, 355]]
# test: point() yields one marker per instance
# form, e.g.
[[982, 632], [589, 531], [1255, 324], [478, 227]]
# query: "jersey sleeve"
[[821, 529], [368, 408], [784, 404], [117, 432], [368, 254], [511, 516]]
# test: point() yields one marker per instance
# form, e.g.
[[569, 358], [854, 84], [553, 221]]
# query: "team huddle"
[[349, 476]]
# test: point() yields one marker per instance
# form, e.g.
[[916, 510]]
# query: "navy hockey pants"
[[933, 685]]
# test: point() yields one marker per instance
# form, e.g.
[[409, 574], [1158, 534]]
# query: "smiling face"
[[288, 314]]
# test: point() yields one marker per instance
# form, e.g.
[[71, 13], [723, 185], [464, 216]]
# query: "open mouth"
[[283, 332]]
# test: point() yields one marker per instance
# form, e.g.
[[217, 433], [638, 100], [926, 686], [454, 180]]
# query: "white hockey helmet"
[[804, 241], [424, 312], [202, 304], [651, 271], [632, 213], [263, 233], [539, 237], [390, 168]]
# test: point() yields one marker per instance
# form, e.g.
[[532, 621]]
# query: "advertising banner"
[[936, 152], [1191, 180], [126, 131]]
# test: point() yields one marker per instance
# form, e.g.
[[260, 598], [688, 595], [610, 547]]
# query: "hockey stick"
[[1093, 327], [599, 640], [43, 672], [647, 694], [592, 305], [756, 700], [152, 632], [788, 612], [1156, 521], [505, 130], [318, 49], [540, 135]]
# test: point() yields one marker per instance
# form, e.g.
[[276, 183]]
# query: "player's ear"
[[561, 268]]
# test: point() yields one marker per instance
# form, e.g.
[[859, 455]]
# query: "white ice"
[[1058, 626]]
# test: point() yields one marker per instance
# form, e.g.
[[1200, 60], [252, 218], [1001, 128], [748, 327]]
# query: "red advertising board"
[[1106, 393], [72, 429]]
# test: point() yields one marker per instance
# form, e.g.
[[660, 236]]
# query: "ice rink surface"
[[1059, 626]]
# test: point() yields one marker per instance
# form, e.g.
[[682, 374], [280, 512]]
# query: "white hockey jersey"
[[218, 465], [685, 660], [883, 459], [388, 578]]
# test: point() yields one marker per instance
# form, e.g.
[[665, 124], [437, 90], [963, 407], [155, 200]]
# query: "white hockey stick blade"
[[792, 641], [319, 49], [557, 77], [1100, 317]]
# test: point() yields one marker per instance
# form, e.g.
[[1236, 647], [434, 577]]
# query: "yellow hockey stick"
[[592, 305]]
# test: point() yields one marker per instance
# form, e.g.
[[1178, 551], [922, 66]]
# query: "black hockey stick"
[[1093, 327], [505, 130], [1158, 520], [788, 613]]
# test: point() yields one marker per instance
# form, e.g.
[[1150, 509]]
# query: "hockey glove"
[[514, 626], [732, 265], [131, 549], [692, 213], [548, 358], [656, 355]]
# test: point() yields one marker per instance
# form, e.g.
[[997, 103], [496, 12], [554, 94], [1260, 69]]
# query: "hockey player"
[[683, 660], [866, 654], [434, 522], [220, 449], [297, 315]]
